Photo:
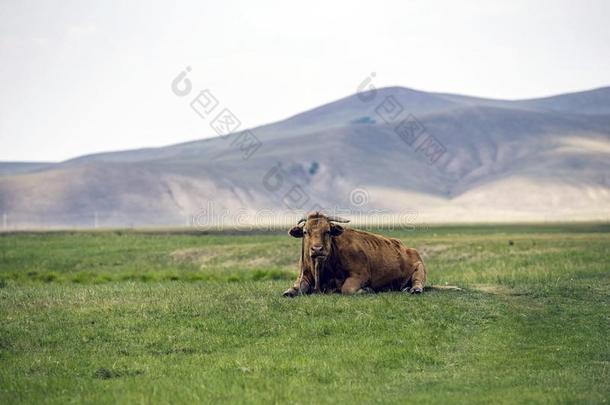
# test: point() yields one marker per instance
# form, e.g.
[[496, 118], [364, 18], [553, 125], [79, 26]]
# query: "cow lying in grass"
[[334, 258]]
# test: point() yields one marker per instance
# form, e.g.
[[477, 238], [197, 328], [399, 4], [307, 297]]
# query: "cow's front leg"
[[305, 287], [294, 290], [354, 285], [301, 287], [291, 292]]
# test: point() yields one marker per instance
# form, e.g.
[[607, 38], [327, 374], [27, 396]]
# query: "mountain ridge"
[[547, 148]]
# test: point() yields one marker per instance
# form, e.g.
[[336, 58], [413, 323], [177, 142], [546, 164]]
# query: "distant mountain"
[[408, 154], [596, 101], [22, 167]]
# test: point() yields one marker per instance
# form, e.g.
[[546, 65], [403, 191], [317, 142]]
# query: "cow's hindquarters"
[[418, 279], [396, 271], [390, 271]]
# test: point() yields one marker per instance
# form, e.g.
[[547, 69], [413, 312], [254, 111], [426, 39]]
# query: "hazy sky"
[[81, 77]]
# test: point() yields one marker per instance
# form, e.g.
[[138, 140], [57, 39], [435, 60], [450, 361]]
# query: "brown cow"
[[352, 261]]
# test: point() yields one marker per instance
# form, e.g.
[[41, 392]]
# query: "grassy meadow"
[[182, 317]]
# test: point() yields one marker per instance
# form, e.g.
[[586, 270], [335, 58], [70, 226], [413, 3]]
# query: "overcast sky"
[[79, 77]]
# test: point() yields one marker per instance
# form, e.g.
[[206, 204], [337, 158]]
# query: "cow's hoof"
[[416, 290], [290, 293]]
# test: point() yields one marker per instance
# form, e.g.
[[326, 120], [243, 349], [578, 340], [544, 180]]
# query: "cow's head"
[[317, 230]]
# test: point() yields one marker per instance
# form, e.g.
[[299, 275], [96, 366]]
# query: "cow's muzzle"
[[317, 252]]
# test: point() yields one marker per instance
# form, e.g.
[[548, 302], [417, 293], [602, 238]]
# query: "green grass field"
[[125, 316]]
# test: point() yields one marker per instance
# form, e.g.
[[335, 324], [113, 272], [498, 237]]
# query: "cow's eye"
[[304, 232]]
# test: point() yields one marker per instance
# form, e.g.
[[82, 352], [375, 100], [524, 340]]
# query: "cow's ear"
[[296, 232], [336, 230]]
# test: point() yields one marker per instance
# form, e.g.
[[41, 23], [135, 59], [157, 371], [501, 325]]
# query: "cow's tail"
[[444, 288]]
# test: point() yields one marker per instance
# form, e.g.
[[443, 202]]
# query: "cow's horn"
[[337, 219]]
